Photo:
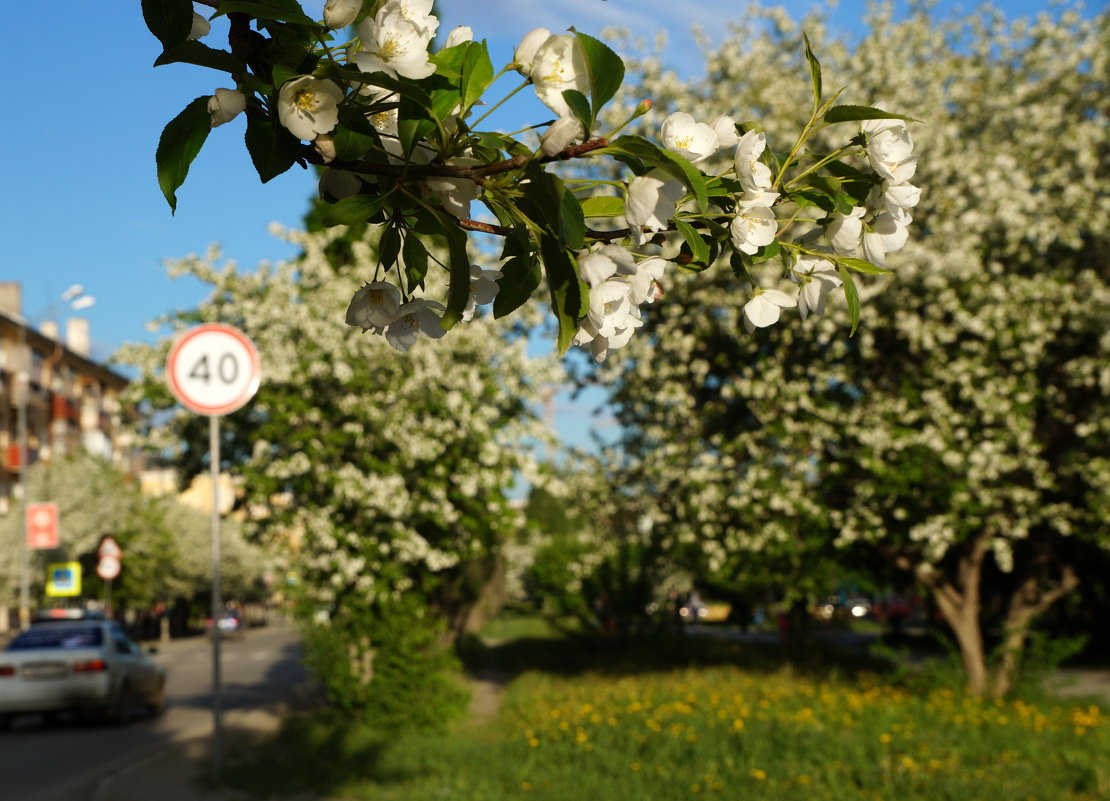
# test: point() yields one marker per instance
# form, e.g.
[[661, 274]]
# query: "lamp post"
[[77, 299]]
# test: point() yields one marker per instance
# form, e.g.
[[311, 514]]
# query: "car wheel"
[[119, 708], [157, 703], [5, 722]]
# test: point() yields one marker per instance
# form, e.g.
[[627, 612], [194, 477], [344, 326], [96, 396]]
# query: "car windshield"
[[56, 636]]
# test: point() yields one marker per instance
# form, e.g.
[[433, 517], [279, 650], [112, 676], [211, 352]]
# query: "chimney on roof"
[[49, 328], [77, 335], [11, 298]]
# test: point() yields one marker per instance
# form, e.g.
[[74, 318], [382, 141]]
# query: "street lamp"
[[76, 298]]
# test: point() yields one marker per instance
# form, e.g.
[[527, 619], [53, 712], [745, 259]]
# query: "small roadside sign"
[[42, 526], [63, 579], [108, 567], [109, 548]]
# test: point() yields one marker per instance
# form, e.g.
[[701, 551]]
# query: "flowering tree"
[[397, 129], [165, 545], [966, 426], [380, 476]]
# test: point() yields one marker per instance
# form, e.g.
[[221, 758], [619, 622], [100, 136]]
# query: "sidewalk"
[[182, 771]]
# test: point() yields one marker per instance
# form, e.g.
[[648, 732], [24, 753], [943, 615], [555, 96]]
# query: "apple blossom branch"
[[476, 174]]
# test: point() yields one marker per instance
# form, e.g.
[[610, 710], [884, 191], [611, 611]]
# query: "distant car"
[[230, 624], [80, 665]]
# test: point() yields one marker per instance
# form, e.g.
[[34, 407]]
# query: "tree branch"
[[476, 174]]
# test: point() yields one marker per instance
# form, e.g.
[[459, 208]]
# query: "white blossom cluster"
[[973, 400]]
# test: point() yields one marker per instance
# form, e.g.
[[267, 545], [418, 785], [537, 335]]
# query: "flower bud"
[[226, 105], [561, 133], [526, 51], [725, 127], [461, 34], [341, 13], [325, 146], [643, 107]]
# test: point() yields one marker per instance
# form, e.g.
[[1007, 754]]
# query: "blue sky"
[[80, 202]]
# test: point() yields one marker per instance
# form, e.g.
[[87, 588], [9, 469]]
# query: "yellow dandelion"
[[758, 775], [885, 738], [533, 743], [634, 767], [695, 788], [526, 786]]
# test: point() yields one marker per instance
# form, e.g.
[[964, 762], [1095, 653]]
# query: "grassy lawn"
[[640, 726]]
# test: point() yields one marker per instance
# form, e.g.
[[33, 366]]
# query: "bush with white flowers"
[[401, 130]]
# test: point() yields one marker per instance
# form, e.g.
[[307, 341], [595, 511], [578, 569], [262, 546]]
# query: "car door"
[[134, 667]]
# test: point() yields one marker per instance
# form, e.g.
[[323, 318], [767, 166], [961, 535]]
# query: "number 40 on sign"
[[213, 369]]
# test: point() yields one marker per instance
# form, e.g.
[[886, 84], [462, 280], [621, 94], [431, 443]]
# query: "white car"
[[80, 665]]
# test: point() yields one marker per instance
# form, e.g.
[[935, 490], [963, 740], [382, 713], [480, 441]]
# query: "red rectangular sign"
[[42, 525]]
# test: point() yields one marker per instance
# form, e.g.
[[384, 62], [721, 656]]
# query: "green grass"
[[681, 719]]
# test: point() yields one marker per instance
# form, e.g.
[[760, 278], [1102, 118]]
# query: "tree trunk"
[[958, 602], [1028, 601]]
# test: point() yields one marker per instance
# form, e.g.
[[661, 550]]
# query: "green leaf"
[[606, 71], [699, 251], [282, 73], [851, 294], [520, 276], [814, 72], [555, 207], [192, 52], [350, 145], [276, 10], [811, 197], [568, 301], [273, 149], [389, 246], [181, 140], [458, 293], [767, 252], [579, 106], [353, 209], [637, 147], [854, 113], [169, 20], [415, 256], [861, 266], [477, 73], [603, 206]]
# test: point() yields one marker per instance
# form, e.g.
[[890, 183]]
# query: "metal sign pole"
[[217, 601]]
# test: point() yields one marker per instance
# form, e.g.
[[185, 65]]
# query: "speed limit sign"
[[213, 369]]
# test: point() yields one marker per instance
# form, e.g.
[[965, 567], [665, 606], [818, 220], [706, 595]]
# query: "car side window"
[[123, 645]]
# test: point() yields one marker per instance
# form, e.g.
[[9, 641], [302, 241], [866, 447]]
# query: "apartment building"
[[72, 401]]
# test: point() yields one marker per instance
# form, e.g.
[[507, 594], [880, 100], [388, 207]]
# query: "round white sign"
[[213, 369], [109, 548], [108, 568]]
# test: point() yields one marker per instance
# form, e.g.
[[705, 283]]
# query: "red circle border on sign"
[[231, 406]]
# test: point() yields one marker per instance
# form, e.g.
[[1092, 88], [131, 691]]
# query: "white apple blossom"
[[643, 284], [753, 226], [483, 289], [610, 306], [890, 149], [817, 277], [225, 105], [396, 44], [887, 235], [753, 174], [694, 141], [324, 144], [725, 128], [559, 65], [525, 52], [844, 231], [308, 106], [455, 194], [650, 203], [341, 13], [414, 319], [604, 262], [200, 27], [458, 35], [563, 132], [765, 307], [374, 306]]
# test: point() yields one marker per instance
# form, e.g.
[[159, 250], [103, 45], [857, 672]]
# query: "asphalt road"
[[63, 760]]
